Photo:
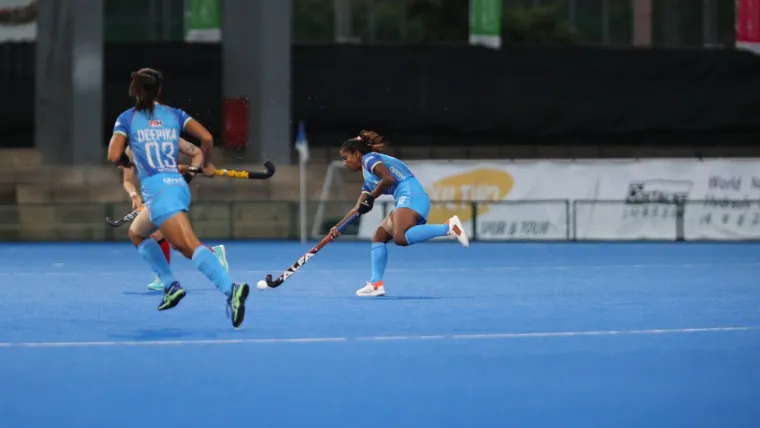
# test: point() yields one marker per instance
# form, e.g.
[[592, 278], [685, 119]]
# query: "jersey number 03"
[[160, 156]]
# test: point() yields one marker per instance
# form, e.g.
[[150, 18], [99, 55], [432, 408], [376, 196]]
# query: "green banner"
[[485, 23], [203, 20]]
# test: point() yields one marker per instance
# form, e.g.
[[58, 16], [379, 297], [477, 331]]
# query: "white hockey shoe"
[[372, 290], [457, 231]]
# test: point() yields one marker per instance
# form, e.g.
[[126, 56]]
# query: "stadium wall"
[[546, 200], [453, 95]]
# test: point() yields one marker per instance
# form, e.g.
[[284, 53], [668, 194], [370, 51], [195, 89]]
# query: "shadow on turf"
[[209, 290], [380, 298], [158, 292], [164, 334], [398, 298]]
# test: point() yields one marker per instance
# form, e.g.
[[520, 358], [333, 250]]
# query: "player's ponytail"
[[145, 88], [367, 141]]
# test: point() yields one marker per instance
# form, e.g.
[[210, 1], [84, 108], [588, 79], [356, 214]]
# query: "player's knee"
[[135, 238], [185, 249], [382, 235], [188, 247], [399, 238]]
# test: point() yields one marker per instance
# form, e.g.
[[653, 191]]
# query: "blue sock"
[[151, 252], [206, 262], [379, 254], [424, 232]]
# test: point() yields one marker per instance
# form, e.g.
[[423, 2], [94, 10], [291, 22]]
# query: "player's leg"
[[175, 226], [219, 251], [409, 222], [150, 250], [379, 258], [179, 232], [221, 254], [166, 249]]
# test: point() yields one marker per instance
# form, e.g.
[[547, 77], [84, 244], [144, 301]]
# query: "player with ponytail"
[[406, 224], [142, 227], [152, 131]]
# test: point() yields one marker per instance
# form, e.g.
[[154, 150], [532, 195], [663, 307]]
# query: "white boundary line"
[[487, 336], [426, 269]]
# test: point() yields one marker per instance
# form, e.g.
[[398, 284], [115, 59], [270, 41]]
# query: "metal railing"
[[529, 220]]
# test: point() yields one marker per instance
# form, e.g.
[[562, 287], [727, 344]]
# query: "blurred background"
[[530, 119]]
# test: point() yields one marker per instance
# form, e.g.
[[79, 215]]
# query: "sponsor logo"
[[522, 228], [459, 190], [730, 202], [656, 198], [174, 180], [156, 124]]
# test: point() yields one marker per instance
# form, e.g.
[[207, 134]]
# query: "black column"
[[256, 39]]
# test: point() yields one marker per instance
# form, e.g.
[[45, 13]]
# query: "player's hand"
[[334, 233], [124, 161], [366, 205], [209, 171], [136, 202]]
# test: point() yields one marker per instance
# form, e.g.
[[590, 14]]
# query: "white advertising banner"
[[610, 199]]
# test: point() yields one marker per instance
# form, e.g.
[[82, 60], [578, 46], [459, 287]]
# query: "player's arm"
[[375, 165], [194, 128], [362, 197], [116, 150], [128, 182], [189, 149], [353, 211], [118, 142], [386, 180]]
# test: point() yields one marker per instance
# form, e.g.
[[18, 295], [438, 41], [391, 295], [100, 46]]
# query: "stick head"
[[263, 175], [114, 223], [273, 284]]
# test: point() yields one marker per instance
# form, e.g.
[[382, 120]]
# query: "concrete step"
[[20, 158]]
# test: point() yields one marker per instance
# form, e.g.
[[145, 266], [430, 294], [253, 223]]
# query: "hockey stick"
[[251, 175], [305, 258], [126, 219]]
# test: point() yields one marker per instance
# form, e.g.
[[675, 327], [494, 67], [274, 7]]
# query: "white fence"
[[664, 199]]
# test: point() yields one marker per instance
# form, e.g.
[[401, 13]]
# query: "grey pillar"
[[256, 46], [343, 21], [642, 22], [69, 82]]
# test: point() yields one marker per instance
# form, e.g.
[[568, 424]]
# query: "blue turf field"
[[520, 335]]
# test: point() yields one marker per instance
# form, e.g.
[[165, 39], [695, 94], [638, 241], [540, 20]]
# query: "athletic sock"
[[425, 232], [166, 248], [206, 262], [152, 254], [379, 253]]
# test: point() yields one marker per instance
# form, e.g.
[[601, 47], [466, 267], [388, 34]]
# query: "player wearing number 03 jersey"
[[406, 224], [152, 131], [143, 227]]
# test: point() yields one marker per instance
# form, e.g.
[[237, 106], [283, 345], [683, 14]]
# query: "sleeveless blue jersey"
[[153, 139], [398, 169]]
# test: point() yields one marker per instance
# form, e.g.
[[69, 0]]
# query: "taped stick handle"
[[341, 228], [269, 170], [348, 221], [125, 219]]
